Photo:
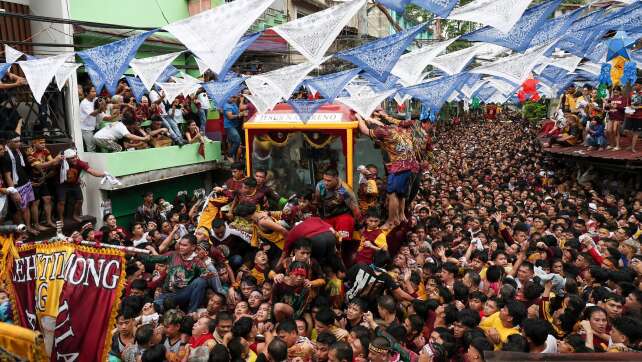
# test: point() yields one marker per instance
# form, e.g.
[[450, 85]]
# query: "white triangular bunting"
[[544, 62], [63, 73], [366, 105], [455, 62], [11, 54], [172, 90], [213, 34], [500, 14], [410, 65], [502, 85], [264, 95], [569, 62], [191, 84], [149, 69], [359, 89], [39, 73], [202, 67], [286, 79], [516, 67], [312, 35], [258, 103]]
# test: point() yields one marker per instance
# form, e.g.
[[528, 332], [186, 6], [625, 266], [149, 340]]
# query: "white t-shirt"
[[551, 345], [204, 100], [114, 131], [154, 97], [87, 121], [178, 115]]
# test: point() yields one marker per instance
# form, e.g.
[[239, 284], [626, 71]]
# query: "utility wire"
[[161, 11], [48, 19]]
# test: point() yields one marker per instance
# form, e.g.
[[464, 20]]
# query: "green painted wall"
[[124, 202], [129, 163], [144, 13]]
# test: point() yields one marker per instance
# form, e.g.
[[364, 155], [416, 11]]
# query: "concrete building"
[[165, 171], [81, 24]]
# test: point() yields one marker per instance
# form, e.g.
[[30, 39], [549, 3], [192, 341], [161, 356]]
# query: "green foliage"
[[534, 111], [415, 15], [454, 28]]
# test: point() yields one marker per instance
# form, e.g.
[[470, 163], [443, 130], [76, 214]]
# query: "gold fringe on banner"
[[279, 139], [318, 140]]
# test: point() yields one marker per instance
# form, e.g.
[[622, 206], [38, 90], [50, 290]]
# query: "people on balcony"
[[110, 136], [105, 120]]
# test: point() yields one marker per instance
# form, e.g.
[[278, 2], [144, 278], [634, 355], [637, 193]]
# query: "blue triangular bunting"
[[220, 92], [552, 75], [627, 18], [435, 92], [379, 56], [111, 60], [166, 74], [240, 47], [4, 67], [587, 76], [137, 87], [597, 52], [95, 78], [554, 28], [330, 85], [485, 92], [306, 108], [579, 36], [441, 8], [390, 83], [231, 75], [398, 6], [519, 37], [472, 79]]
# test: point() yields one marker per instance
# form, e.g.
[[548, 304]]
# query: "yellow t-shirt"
[[493, 321], [380, 241], [571, 102], [482, 273]]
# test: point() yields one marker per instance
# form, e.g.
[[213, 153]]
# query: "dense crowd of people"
[[470, 241], [497, 248]]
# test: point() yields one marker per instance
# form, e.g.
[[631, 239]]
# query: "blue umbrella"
[[617, 45]]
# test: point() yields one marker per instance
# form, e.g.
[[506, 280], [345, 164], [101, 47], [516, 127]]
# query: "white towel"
[[64, 165], [111, 179], [14, 171]]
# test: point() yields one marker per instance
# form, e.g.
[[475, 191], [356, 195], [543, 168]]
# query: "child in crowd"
[[595, 138], [372, 238]]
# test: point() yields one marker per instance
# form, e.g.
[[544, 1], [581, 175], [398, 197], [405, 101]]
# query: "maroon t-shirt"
[[616, 108], [73, 173], [307, 228]]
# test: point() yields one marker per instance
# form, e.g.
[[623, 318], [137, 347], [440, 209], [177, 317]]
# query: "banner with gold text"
[[70, 293]]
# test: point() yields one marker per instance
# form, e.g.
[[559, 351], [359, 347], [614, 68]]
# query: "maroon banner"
[[88, 305], [23, 286]]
